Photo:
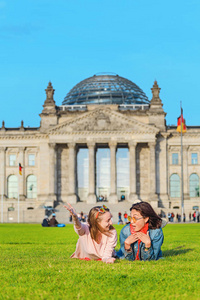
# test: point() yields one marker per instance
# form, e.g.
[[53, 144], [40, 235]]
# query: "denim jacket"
[[154, 253]]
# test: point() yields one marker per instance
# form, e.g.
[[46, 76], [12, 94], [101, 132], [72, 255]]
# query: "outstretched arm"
[[75, 219]]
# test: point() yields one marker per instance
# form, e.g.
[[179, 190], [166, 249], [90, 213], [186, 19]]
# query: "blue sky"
[[66, 41]]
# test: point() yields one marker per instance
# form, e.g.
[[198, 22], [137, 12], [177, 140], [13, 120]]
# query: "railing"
[[72, 107], [121, 107], [133, 106]]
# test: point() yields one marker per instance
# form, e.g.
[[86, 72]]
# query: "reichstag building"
[[107, 143]]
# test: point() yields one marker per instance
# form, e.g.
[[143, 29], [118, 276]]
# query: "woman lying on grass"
[[98, 238], [143, 237]]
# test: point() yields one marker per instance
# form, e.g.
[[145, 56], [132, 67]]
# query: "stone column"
[[162, 169], [132, 170], [113, 175], [153, 197], [52, 174], [72, 198], [21, 178], [91, 191]]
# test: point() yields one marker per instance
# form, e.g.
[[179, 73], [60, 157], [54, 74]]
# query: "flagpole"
[[182, 199], [2, 190], [18, 196]]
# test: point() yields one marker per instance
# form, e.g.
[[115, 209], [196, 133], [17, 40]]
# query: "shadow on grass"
[[176, 251]]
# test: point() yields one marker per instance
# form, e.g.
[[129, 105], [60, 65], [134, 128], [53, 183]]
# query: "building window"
[[102, 174], [194, 185], [12, 160], [31, 160], [122, 164], [174, 158], [194, 158], [12, 186], [31, 186], [174, 186]]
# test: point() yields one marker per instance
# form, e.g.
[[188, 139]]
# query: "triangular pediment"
[[103, 120]]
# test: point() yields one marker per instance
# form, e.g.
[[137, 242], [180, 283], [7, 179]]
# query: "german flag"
[[181, 121], [20, 169]]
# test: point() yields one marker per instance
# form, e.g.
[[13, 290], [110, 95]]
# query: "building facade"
[[106, 143]]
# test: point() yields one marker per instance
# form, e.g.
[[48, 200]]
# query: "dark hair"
[[147, 211], [95, 227]]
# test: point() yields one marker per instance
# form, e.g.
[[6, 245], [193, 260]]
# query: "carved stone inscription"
[[103, 120], [99, 122]]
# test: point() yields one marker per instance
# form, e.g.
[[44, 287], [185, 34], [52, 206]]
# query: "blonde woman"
[[97, 238]]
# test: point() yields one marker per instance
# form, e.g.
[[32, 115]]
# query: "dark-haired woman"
[[98, 238], [143, 237]]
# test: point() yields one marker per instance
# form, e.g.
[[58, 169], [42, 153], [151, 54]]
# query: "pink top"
[[87, 247]]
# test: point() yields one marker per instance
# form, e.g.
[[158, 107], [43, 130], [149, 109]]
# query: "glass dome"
[[106, 89]]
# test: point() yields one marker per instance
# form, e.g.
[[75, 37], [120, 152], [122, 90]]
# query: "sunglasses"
[[101, 210], [134, 219]]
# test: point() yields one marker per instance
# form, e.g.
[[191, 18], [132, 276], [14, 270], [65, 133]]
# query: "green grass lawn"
[[35, 264]]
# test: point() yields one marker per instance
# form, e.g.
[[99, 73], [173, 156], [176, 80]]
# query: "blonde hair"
[[94, 220]]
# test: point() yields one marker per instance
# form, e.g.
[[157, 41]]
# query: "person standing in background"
[[184, 217], [125, 217]]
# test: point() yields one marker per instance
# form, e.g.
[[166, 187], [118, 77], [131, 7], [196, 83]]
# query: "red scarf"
[[144, 230]]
